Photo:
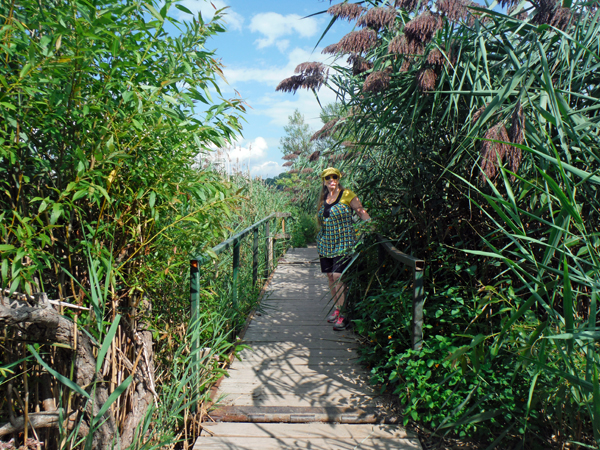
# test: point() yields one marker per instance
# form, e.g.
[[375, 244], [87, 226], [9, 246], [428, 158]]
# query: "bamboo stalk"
[[26, 387]]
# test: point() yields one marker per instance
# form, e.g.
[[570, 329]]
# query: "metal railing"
[[418, 267], [234, 241]]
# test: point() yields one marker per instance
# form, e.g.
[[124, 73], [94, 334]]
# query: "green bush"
[[304, 229]]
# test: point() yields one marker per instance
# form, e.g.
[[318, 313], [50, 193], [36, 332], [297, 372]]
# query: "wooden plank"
[[299, 370], [288, 334], [277, 321], [301, 430], [288, 372], [298, 399], [313, 363], [248, 443], [293, 360], [259, 353], [290, 383]]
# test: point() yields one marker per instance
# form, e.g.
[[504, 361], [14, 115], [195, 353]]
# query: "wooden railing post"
[[236, 270], [255, 258]]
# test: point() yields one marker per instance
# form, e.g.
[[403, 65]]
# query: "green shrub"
[[304, 229]]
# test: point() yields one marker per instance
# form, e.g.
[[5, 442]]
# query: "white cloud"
[[267, 169], [272, 75], [282, 45], [278, 107], [246, 156], [254, 150], [240, 153], [231, 18], [274, 26]]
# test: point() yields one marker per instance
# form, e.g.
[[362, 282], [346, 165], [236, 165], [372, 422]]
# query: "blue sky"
[[265, 41]]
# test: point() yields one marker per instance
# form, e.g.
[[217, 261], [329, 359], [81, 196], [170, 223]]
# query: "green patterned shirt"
[[337, 236]]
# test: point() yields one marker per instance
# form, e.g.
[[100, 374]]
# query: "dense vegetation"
[[471, 135], [106, 111]]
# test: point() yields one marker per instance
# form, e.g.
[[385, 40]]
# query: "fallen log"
[[47, 419]]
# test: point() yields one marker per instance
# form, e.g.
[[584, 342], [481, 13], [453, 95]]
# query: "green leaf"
[[183, 8], [154, 12], [111, 399], [64, 380], [6, 247], [107, 342]]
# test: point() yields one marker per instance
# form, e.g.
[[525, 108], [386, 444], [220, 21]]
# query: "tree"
[[100, 125], [297, 138], [475, 129]]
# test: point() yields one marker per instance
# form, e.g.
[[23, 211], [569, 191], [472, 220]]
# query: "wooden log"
[[48, 419]]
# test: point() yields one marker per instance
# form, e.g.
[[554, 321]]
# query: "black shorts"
[[337, 264]]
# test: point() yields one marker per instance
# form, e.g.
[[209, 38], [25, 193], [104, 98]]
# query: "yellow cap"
[[331, 171]]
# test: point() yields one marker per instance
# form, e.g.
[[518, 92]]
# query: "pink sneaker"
[[333, 316], [341, 324]]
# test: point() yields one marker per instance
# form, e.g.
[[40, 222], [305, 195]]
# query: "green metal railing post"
[[236, 270], [267, 234], [195, 313], [417, 309], [255, 258], [233, 241], [418, 266]]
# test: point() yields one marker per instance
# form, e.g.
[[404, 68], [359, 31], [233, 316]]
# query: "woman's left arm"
[[357, 206]]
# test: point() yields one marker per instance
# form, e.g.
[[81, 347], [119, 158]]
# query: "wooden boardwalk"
[[299, 386]]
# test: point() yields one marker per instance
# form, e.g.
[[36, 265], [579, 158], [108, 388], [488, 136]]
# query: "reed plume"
[[358, 41], [377, 18], [349, 11], [307, 170], [291, 84], [331, 49], [312, 76], [401, 45], [287, 164], [475, 15], [290, 156], [477, 114], [423, 27], [508, 3], [561, 18], [376, 82], [408, 5], [436, 57], [454, 10], [310, 68], [293, 171], [517, 136], [426, 78], [314, 156], [522, 15], [359, 64], [493, 153], [326, 130]]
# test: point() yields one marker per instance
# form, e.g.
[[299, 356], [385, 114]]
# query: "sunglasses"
[[331, 177]]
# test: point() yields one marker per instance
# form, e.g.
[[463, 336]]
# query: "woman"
[[336, 239]]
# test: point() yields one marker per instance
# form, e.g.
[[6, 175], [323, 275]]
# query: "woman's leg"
[[332, 286], [336, 285]]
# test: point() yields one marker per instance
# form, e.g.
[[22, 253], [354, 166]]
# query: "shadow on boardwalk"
[[300, 372]]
